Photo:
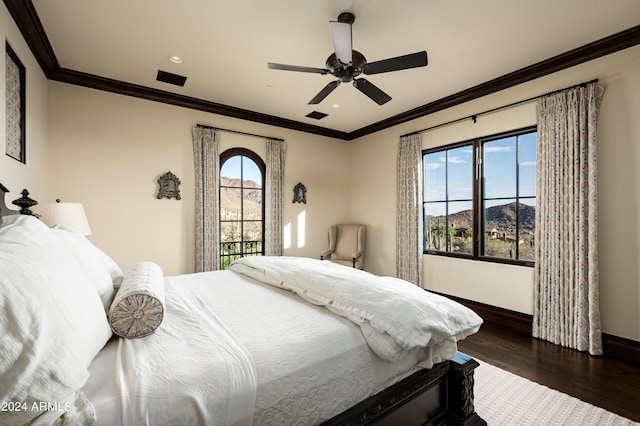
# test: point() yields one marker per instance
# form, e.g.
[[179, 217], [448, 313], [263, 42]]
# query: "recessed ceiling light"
[[175, 59], [268, 86], [335, 106]]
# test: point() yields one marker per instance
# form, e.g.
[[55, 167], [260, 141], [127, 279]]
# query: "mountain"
[[502, 218], [230, 198]]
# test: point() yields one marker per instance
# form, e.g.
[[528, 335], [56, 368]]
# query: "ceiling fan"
[[346, 64]]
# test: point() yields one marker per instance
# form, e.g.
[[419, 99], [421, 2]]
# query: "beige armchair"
[[346, 245]]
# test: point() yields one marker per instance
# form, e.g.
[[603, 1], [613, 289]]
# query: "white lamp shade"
[[70, 215]]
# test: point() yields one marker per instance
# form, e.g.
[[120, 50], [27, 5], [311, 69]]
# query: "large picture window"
[[242, 174], [480, 198]]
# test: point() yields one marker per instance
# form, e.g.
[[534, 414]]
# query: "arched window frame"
[[226, 155]]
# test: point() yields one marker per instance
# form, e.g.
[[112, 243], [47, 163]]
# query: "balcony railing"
[[232, 250]]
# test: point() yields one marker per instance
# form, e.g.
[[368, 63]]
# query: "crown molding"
[[586, 53], [64, 75], [24, 14]]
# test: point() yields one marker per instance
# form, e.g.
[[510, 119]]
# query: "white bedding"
[[52, 324], [395, 316], [309, 363], [192, 370]]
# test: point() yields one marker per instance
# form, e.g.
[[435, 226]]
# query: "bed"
[[273, 341]]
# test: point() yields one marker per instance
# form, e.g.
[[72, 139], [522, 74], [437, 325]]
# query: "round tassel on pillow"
[[138, 307]]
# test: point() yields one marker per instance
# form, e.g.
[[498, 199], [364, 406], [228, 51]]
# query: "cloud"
[[457, 160], [498, 149], [528, 164]]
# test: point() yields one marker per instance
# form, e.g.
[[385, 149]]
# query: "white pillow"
[[53, 322], [114, 270], [91, 260]]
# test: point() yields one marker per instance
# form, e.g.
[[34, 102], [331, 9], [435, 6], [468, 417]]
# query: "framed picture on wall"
[[169, 186], [15, 108]]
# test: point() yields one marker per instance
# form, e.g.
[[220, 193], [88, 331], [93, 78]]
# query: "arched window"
[[242, 174]]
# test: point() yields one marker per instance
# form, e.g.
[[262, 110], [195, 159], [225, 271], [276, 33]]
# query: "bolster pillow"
[[138, 306]]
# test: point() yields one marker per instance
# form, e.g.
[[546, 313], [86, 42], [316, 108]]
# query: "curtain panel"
[[274, 198], [566, 287], [207, 197], [409, 210]]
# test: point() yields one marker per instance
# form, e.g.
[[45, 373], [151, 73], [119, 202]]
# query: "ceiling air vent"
[[317, 115], [167, 77]]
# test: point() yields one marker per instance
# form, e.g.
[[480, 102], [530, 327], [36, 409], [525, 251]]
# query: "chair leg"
[[354, 262]]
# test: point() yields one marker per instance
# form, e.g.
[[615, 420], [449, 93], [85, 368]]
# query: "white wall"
[[107, 151], [15, 175], [373, 192]]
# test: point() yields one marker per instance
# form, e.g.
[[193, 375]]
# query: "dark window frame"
[[477, 144], [226, 155]]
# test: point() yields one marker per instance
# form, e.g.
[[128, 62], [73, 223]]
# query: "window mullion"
[[517, 242], [242, 206], [446, 204], [478, 213]]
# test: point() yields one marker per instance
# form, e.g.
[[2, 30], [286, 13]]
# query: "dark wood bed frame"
[[442, 395]]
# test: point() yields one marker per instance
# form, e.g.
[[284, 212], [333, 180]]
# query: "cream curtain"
[[207, 194], [409, 210], [566, 305], [274, 201]]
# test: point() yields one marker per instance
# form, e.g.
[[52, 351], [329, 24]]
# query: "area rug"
[[503, 398]]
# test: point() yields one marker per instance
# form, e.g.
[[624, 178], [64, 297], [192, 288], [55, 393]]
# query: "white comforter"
[[192, 370], [310, 364], [395, 316]]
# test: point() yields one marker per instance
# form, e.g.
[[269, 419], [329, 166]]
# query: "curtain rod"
[[239, 132], [474, 117]]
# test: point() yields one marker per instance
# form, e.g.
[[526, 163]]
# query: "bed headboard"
[[4, 210], [24, 202]]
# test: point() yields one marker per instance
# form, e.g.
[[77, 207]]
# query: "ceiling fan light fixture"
[[345, 64], [342, 43]]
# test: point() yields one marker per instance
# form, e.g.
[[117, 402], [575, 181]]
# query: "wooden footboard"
[[442, 395]]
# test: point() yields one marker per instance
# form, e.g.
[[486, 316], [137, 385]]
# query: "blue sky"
[[231, 168], [500, 170]]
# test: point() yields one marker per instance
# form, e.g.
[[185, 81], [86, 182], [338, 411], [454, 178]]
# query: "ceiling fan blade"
[[342, 43], [413, 60], [284, 67], [372, 91], [324, 92]]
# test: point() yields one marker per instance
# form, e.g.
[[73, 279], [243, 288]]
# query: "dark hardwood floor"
[[601, 381]]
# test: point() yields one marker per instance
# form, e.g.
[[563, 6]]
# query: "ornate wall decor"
[[300, 194], [15, 106], [169, 186]]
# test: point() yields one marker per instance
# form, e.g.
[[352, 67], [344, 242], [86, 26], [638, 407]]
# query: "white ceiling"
[[226, 45]]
